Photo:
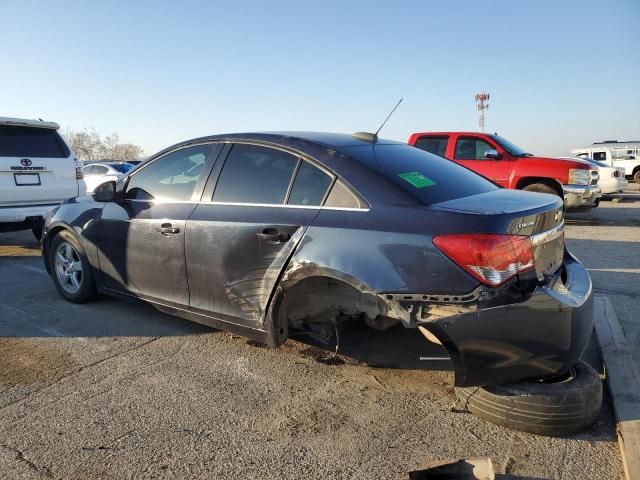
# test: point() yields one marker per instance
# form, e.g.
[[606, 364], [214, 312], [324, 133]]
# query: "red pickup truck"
[[511, 167]]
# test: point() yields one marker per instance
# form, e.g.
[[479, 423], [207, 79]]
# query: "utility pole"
[[481, 106]]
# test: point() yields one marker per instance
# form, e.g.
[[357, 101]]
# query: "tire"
[[77, 267], [541, 188], [636, 176], [568, 405]]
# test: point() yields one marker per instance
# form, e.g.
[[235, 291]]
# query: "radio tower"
[[481, 106]]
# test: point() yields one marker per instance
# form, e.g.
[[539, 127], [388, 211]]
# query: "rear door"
[[239, 241], [141, 237], [36, 167], [470, 151]]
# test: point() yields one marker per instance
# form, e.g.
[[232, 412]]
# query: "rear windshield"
[[429, 178], [122, 167], [31, 142]]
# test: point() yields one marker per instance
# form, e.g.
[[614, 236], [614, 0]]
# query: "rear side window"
[[256, 174], [342, 197], [99, 170], [599, 155], [429, 178], [435, 145], [31, 142], [310, 186], [470, 148]]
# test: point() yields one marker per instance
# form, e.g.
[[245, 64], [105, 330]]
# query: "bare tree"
[[88, 145]]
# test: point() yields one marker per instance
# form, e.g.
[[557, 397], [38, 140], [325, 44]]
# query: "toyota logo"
[[25, 162]]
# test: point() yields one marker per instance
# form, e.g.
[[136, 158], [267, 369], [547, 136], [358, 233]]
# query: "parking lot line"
[[24, 267]]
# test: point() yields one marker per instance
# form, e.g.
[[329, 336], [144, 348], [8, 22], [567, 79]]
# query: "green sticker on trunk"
[[417, 179]]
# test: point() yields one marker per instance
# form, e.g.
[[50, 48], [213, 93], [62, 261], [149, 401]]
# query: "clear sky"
[[561, 73]]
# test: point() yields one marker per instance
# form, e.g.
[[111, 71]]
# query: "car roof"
[[418, 134], [331, 149], [28, 122], [285, 138]]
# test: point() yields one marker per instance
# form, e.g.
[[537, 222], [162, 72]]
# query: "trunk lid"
[[536, 215]]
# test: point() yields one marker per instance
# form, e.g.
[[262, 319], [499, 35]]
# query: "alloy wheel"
[[68, 267]]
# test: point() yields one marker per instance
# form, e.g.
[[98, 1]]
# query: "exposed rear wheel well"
[[550, 182], [320, 302]]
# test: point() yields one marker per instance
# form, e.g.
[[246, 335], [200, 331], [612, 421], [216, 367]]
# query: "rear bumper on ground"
[[543, 336], [581, 197]]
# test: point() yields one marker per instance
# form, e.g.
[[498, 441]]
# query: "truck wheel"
[[565, 405], [636, 176], [70, 269], [541, 188]]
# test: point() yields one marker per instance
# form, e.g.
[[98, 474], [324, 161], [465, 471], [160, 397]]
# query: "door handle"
[[272, 235], [166, 229]]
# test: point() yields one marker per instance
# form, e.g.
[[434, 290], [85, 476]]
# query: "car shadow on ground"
[[627, 214], [396, 348]]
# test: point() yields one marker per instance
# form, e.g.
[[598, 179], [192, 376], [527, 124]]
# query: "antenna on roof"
[[373, 137], [388, 116]]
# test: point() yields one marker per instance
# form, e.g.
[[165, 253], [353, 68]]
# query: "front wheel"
[[564, 405], [636, 176], [70, 269]]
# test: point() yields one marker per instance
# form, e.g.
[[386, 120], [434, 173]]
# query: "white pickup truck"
[[615, 154], [38, 171]]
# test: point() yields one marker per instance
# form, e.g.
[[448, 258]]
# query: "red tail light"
[[491, 258]]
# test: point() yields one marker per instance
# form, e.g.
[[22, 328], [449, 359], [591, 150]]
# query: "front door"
[[141, 237], [470, 152], [238, 244]]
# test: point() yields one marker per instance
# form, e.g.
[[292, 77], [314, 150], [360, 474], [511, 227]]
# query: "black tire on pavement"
[[84, 289], [564, 406], [636, 176], [541, 188]]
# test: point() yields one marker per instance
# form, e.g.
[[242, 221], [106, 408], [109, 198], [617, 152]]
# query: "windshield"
[[509, 147], [122, 167]]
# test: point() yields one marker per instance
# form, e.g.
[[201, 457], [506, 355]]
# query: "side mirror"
[[492, 154], [105, 192]]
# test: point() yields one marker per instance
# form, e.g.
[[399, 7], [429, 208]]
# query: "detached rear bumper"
[[543, 336], [581, 197]]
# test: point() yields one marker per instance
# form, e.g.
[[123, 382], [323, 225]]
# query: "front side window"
[[172, 177], [470, 148], [599, 155], [435, 145], [255, 174]]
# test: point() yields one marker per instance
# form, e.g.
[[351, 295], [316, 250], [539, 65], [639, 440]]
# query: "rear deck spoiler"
[[26, 122]]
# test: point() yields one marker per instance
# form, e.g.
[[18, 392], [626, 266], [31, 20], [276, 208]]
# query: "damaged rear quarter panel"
[[400, 258]]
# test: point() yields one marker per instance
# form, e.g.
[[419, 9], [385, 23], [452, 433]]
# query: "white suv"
[[38, 171]]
